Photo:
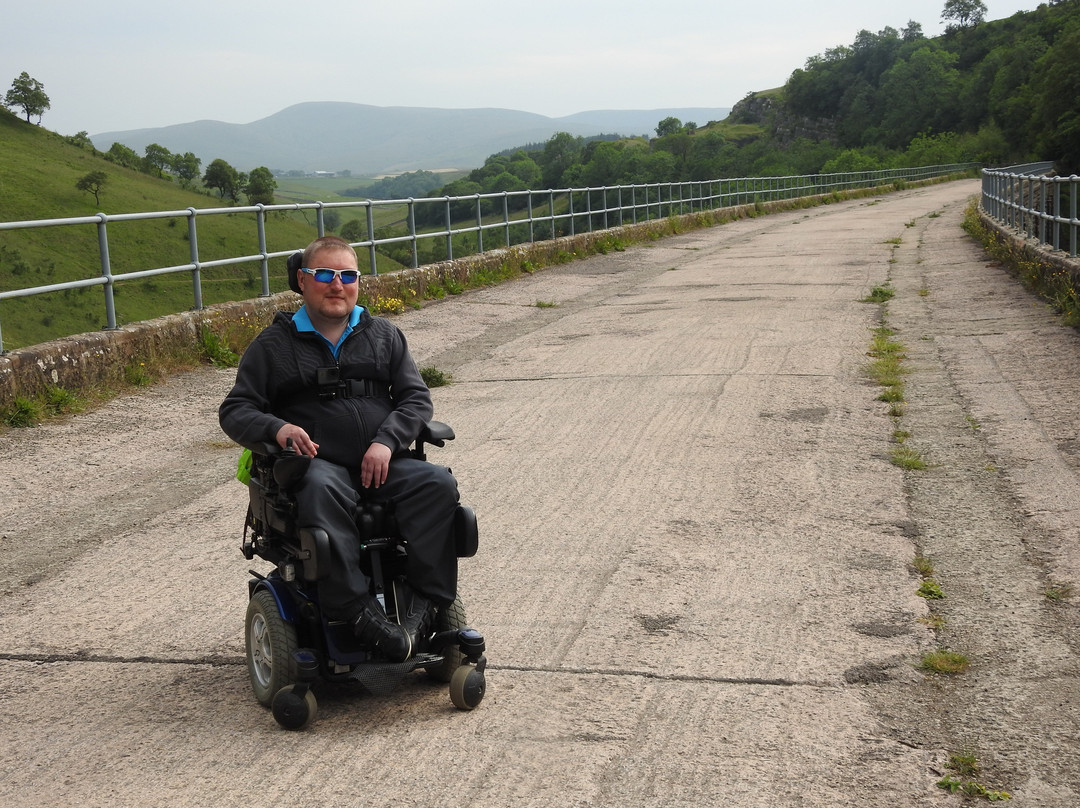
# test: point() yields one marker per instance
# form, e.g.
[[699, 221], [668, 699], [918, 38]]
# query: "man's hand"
[[301, 441], [375, 465]]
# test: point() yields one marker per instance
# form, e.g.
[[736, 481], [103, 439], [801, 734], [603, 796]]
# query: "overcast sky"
[[128, 64]]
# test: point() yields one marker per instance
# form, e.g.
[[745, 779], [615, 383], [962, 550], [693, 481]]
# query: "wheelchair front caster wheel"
[[294, 707], [467, 687]]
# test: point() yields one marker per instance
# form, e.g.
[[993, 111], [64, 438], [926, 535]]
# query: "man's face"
[[334, 300]]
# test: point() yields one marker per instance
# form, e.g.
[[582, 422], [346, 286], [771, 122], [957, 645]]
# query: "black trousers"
[[425, 497]]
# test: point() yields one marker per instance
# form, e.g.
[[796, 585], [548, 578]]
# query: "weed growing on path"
[[908, 458], [945, 662], [879, 294], [966, 768], [433, 377], [930, 589], [1059, 592], [923, 565]]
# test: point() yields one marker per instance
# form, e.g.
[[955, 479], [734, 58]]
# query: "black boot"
[[417, 617], [374, 629]]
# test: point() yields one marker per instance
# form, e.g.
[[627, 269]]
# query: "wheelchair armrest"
[[264, 448], [436, 433]]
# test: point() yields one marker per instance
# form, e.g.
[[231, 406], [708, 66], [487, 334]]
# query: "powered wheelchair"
[[290, 645]]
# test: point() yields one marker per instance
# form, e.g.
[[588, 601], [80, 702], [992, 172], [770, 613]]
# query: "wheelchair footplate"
[[381, 678]]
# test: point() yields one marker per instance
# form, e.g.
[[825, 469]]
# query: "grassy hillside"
[[38, 173]]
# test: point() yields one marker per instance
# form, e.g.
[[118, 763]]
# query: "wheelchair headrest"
[[292, 264]]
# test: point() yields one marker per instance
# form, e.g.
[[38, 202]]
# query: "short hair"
[[326, 243]]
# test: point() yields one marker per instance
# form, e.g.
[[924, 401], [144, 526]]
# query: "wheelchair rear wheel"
[[271, 647]]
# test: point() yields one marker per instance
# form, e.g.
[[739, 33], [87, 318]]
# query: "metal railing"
[[518, 216], [1029, 201]]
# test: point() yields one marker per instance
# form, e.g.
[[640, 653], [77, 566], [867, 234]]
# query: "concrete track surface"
[[695, 575]]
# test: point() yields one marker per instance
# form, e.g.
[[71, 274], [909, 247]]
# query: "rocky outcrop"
[[783, 126]]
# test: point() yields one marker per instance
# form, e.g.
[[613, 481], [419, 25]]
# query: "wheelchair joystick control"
[[294, 706]]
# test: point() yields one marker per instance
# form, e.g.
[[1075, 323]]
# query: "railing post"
[[506, 217], [531, 236], [1074, 191], [1057, 214], [1042, 210], [449, 233], [479, 225], [260, 218], [193, 253], [106, 272], [320, 225], [412, 232], [371, 238]]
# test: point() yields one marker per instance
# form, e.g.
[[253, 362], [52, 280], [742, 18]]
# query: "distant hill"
[[333, 136]]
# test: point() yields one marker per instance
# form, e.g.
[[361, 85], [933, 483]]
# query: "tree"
[[94, 182], [352, 230], [561, 151], [186, 167], [668, 126], [224, 178], [923, 92], [965, 12], [525, 169], [82, 140], [123, 156], [912, 31], [29, 94], [260, 186], [158, 158], [1055, 116]]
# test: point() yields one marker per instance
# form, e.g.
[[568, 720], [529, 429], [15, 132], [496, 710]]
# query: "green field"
[[318, 189]]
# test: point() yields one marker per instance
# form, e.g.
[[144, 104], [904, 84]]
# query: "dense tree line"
[[998, 93], [402, 186], [1007, 89]]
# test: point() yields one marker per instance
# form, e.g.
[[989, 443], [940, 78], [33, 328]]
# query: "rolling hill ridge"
[[334, 136]]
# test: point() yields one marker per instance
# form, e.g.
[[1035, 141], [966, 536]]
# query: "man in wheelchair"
[[339, 386]]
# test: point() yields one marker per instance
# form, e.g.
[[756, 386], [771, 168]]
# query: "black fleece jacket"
[[277, 382]]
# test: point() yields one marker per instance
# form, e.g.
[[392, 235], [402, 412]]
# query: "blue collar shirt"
[[303, 323]]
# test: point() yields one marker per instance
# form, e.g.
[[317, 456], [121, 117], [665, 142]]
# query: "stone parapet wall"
[[103, 359], [1031, 249]]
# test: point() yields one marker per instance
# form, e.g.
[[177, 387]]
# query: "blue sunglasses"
[[323, 275]]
